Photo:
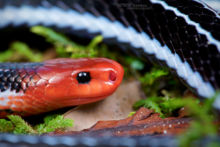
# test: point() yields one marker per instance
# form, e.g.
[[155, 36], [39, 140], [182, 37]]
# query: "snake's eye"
[[83, 77]]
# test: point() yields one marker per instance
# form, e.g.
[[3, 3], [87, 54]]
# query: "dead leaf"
[[143, 122]]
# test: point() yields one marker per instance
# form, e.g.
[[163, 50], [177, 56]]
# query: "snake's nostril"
[[112, 76]]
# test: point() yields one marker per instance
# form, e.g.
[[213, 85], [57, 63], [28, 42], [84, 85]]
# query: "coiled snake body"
[[183, 35]]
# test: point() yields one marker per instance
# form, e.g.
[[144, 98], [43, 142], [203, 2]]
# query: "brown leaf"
[[143, 122]]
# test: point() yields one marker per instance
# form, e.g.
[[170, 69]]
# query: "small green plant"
[[150, 77], [158, 81], [52, 123], [150, 80], [15, 124], [202, 124], [131, 113], [6, 126], [20, 126], [164, 105], [66, 47], [19, 50]]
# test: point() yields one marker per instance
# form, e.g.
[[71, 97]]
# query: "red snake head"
[[79, 81]]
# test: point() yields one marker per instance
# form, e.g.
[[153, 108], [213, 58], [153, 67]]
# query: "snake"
[[183, 35], [34, 88]]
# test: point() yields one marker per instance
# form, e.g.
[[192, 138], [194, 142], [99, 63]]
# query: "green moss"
[[64, 46], [163, 105], [52, 123], [6, 126], [6, 55], [20, 126], [151, 80], [51, 36], [15, 124], [150, 77], [25, 51], [19, 50], [203, 123]]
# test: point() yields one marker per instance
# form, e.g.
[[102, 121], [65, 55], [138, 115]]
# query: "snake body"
[[180, 34]]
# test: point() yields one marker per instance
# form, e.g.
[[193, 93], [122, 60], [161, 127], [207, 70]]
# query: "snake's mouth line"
[[81, 101], [95, 98]]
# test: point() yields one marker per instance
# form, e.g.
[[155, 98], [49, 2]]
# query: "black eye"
[[83, 77]]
